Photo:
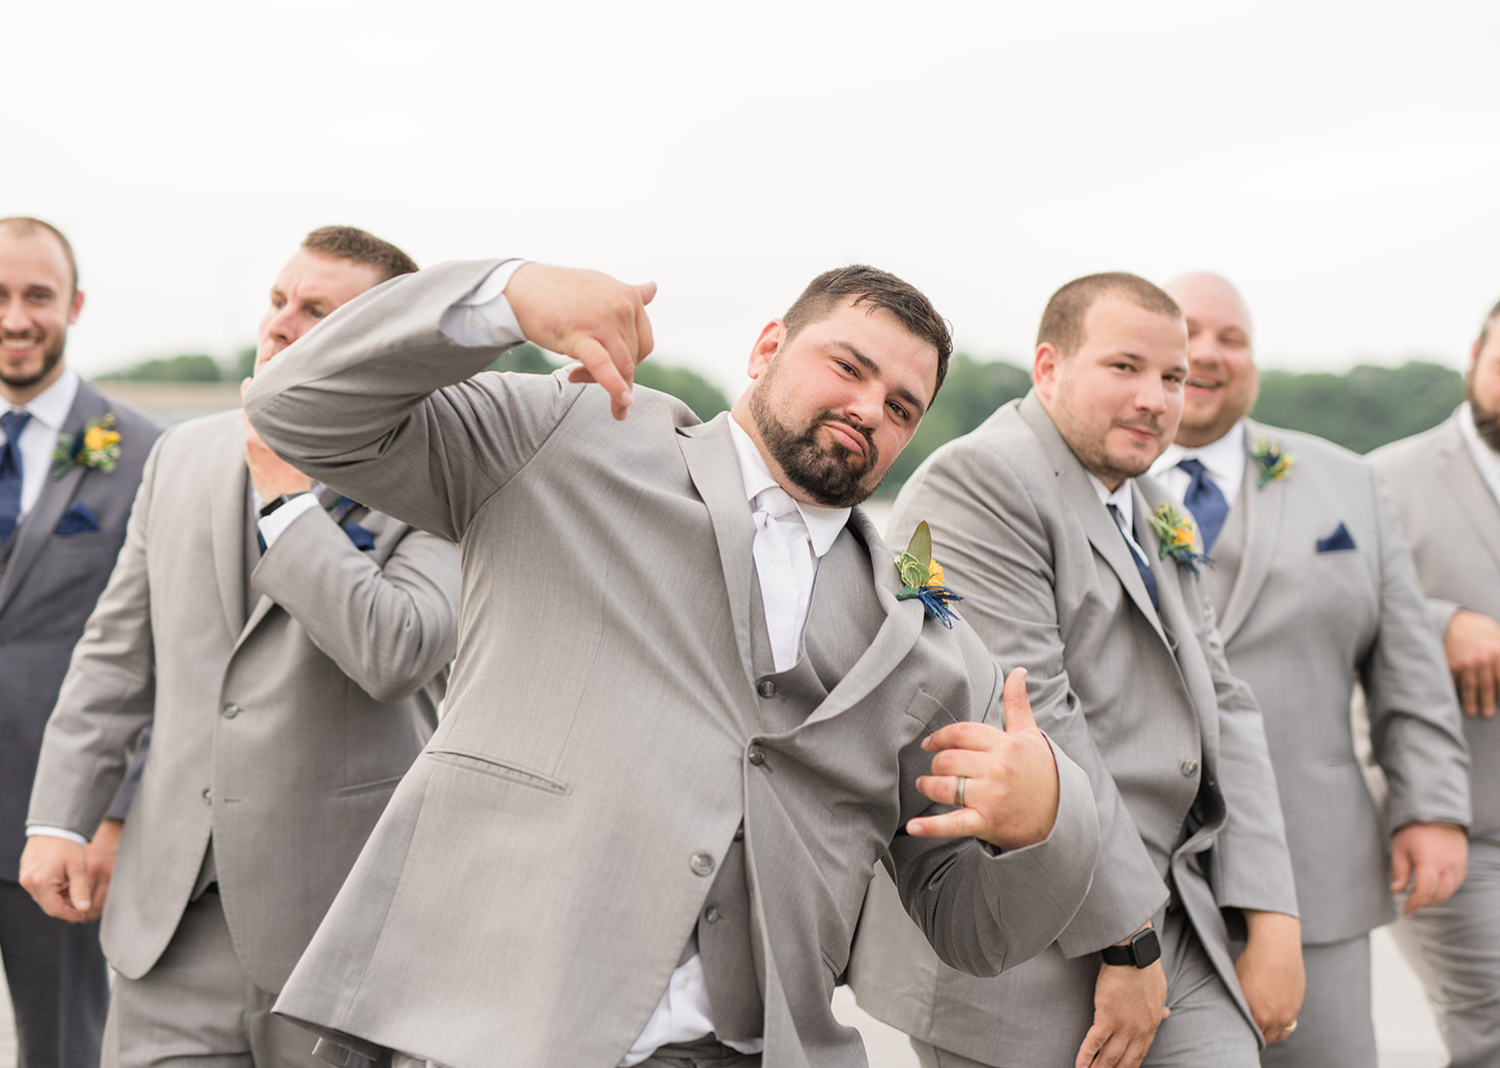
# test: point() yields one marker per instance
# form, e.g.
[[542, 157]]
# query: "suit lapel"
[[57, 494], [1471, 495], [708, 451], [1174, 612], [1264, 509], [231, 488], [1103, 534]]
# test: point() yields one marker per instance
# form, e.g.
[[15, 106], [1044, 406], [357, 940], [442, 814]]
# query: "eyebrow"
[[874, 368]]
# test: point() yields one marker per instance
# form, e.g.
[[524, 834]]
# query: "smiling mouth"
[[1200, 383], [18, 344]]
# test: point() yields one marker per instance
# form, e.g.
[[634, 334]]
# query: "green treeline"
[[1361, 409]]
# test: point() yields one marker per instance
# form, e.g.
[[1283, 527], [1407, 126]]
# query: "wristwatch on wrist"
[[276, 502], [1143, 949]]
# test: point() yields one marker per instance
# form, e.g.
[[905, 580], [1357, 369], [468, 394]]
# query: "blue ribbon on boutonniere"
[[922, 578]]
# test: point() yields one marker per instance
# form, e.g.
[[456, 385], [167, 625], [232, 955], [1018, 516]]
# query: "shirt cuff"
[[57, 832], [272, 525], [484, 319]]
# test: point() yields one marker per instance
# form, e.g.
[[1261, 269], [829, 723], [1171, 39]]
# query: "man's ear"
[[1044, 369], [1473, 357], [76, 308], [766, 347]]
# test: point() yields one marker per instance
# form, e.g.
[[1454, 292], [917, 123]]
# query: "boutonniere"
[[922, 578], [97, 447], [1175, 532], [1275, 462]]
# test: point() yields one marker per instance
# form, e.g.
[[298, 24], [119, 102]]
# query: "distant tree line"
[[1361, 409]]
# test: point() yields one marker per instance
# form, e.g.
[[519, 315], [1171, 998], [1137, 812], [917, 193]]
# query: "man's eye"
[[898, 411], [316, 313], [277, 305]]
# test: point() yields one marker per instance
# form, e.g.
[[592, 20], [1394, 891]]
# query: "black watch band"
[[1143, 949], [276, 502]]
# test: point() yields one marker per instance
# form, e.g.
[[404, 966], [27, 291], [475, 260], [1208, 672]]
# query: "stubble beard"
[[1486, 420], [831, 475], [51, 357]]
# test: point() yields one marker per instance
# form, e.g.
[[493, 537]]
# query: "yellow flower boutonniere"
[[97, 447], [922, 578], [1175, 533], [1275, 462]]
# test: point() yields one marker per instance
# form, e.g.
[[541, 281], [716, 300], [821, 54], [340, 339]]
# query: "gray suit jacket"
[[1173, 743], [1452, 525], [289, 692], [48, 590], [1302, 627], [534, 881]]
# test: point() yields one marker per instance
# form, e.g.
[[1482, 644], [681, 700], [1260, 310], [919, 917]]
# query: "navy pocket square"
[[78, 519], [360, 536], [1339, 541]]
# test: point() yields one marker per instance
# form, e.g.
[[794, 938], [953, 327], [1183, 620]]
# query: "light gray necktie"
[[783, 562]]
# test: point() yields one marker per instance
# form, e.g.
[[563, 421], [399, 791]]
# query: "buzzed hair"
[[878, 289], [1062, 321], [350, 243], [26, 226], [1484, 331]]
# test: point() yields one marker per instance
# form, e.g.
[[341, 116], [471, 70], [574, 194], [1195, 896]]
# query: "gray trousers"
[[197, 1009], [59, 983], [1455, 950], [1334, 1025], [1206, 1027]]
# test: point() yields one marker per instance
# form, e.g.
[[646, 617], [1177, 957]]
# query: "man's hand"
[[272, 475], [589, 316], [101, 852], [55, 872], [1010, 787], [1270, 972], [1129, 1005], [1430, 860], [1472, 643]]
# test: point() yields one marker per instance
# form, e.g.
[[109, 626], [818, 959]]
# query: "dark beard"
[[50, 360], [831, 475], [1486, 420]]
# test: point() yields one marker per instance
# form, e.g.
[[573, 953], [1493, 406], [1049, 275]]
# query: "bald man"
[[1315, 591]]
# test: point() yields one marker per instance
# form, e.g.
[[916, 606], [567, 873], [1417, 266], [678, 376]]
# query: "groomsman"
[[691, 708], [1445, 485], [1072, 564], [1315, 593], [289, 647], [62, 520]]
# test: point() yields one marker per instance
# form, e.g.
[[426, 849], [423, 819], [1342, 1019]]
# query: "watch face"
[[1145, 947]]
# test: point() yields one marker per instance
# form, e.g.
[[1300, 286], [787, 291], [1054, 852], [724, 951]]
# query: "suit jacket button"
[[767, 688], [230, 711], [1190, 768], [702, 864], [739, 832], [712, 914], [756, 754], [208, 795]]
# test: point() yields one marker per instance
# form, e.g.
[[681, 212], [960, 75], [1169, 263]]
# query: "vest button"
[[702, 864], [739, 832], [229, 711], [208, 795], [712, 914], [767, 688], [1189, 768], [756, 754]]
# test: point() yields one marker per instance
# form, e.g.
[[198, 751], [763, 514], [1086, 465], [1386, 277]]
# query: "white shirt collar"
[[823, 524], [1120, 498], [1485, 458], [51, 406]]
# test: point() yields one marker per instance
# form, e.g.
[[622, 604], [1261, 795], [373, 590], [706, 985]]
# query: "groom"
[[689, 711]]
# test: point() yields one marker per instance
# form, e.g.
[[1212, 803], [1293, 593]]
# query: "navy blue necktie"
[[12, 422], [1140, 565], [1206, 501]]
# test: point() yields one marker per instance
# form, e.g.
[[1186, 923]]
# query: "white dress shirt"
[[1224, 460], [1485, 458], [1122, 500], [49, 410]]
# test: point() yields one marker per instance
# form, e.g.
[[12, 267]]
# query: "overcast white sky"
[[1339, 161]]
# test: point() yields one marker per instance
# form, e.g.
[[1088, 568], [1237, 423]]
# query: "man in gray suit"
[[289, 686], [1315, 592], [1445, 485], [61, 525], [690, 709], [1040, 519]]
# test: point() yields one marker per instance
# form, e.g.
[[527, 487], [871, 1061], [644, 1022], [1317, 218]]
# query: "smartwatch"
[[1143, 949], [276, 502]]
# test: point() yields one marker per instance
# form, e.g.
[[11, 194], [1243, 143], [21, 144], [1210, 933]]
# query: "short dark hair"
[[1484, 331], [879, 289], [349, 243], [1063, 318], [25, 226]]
